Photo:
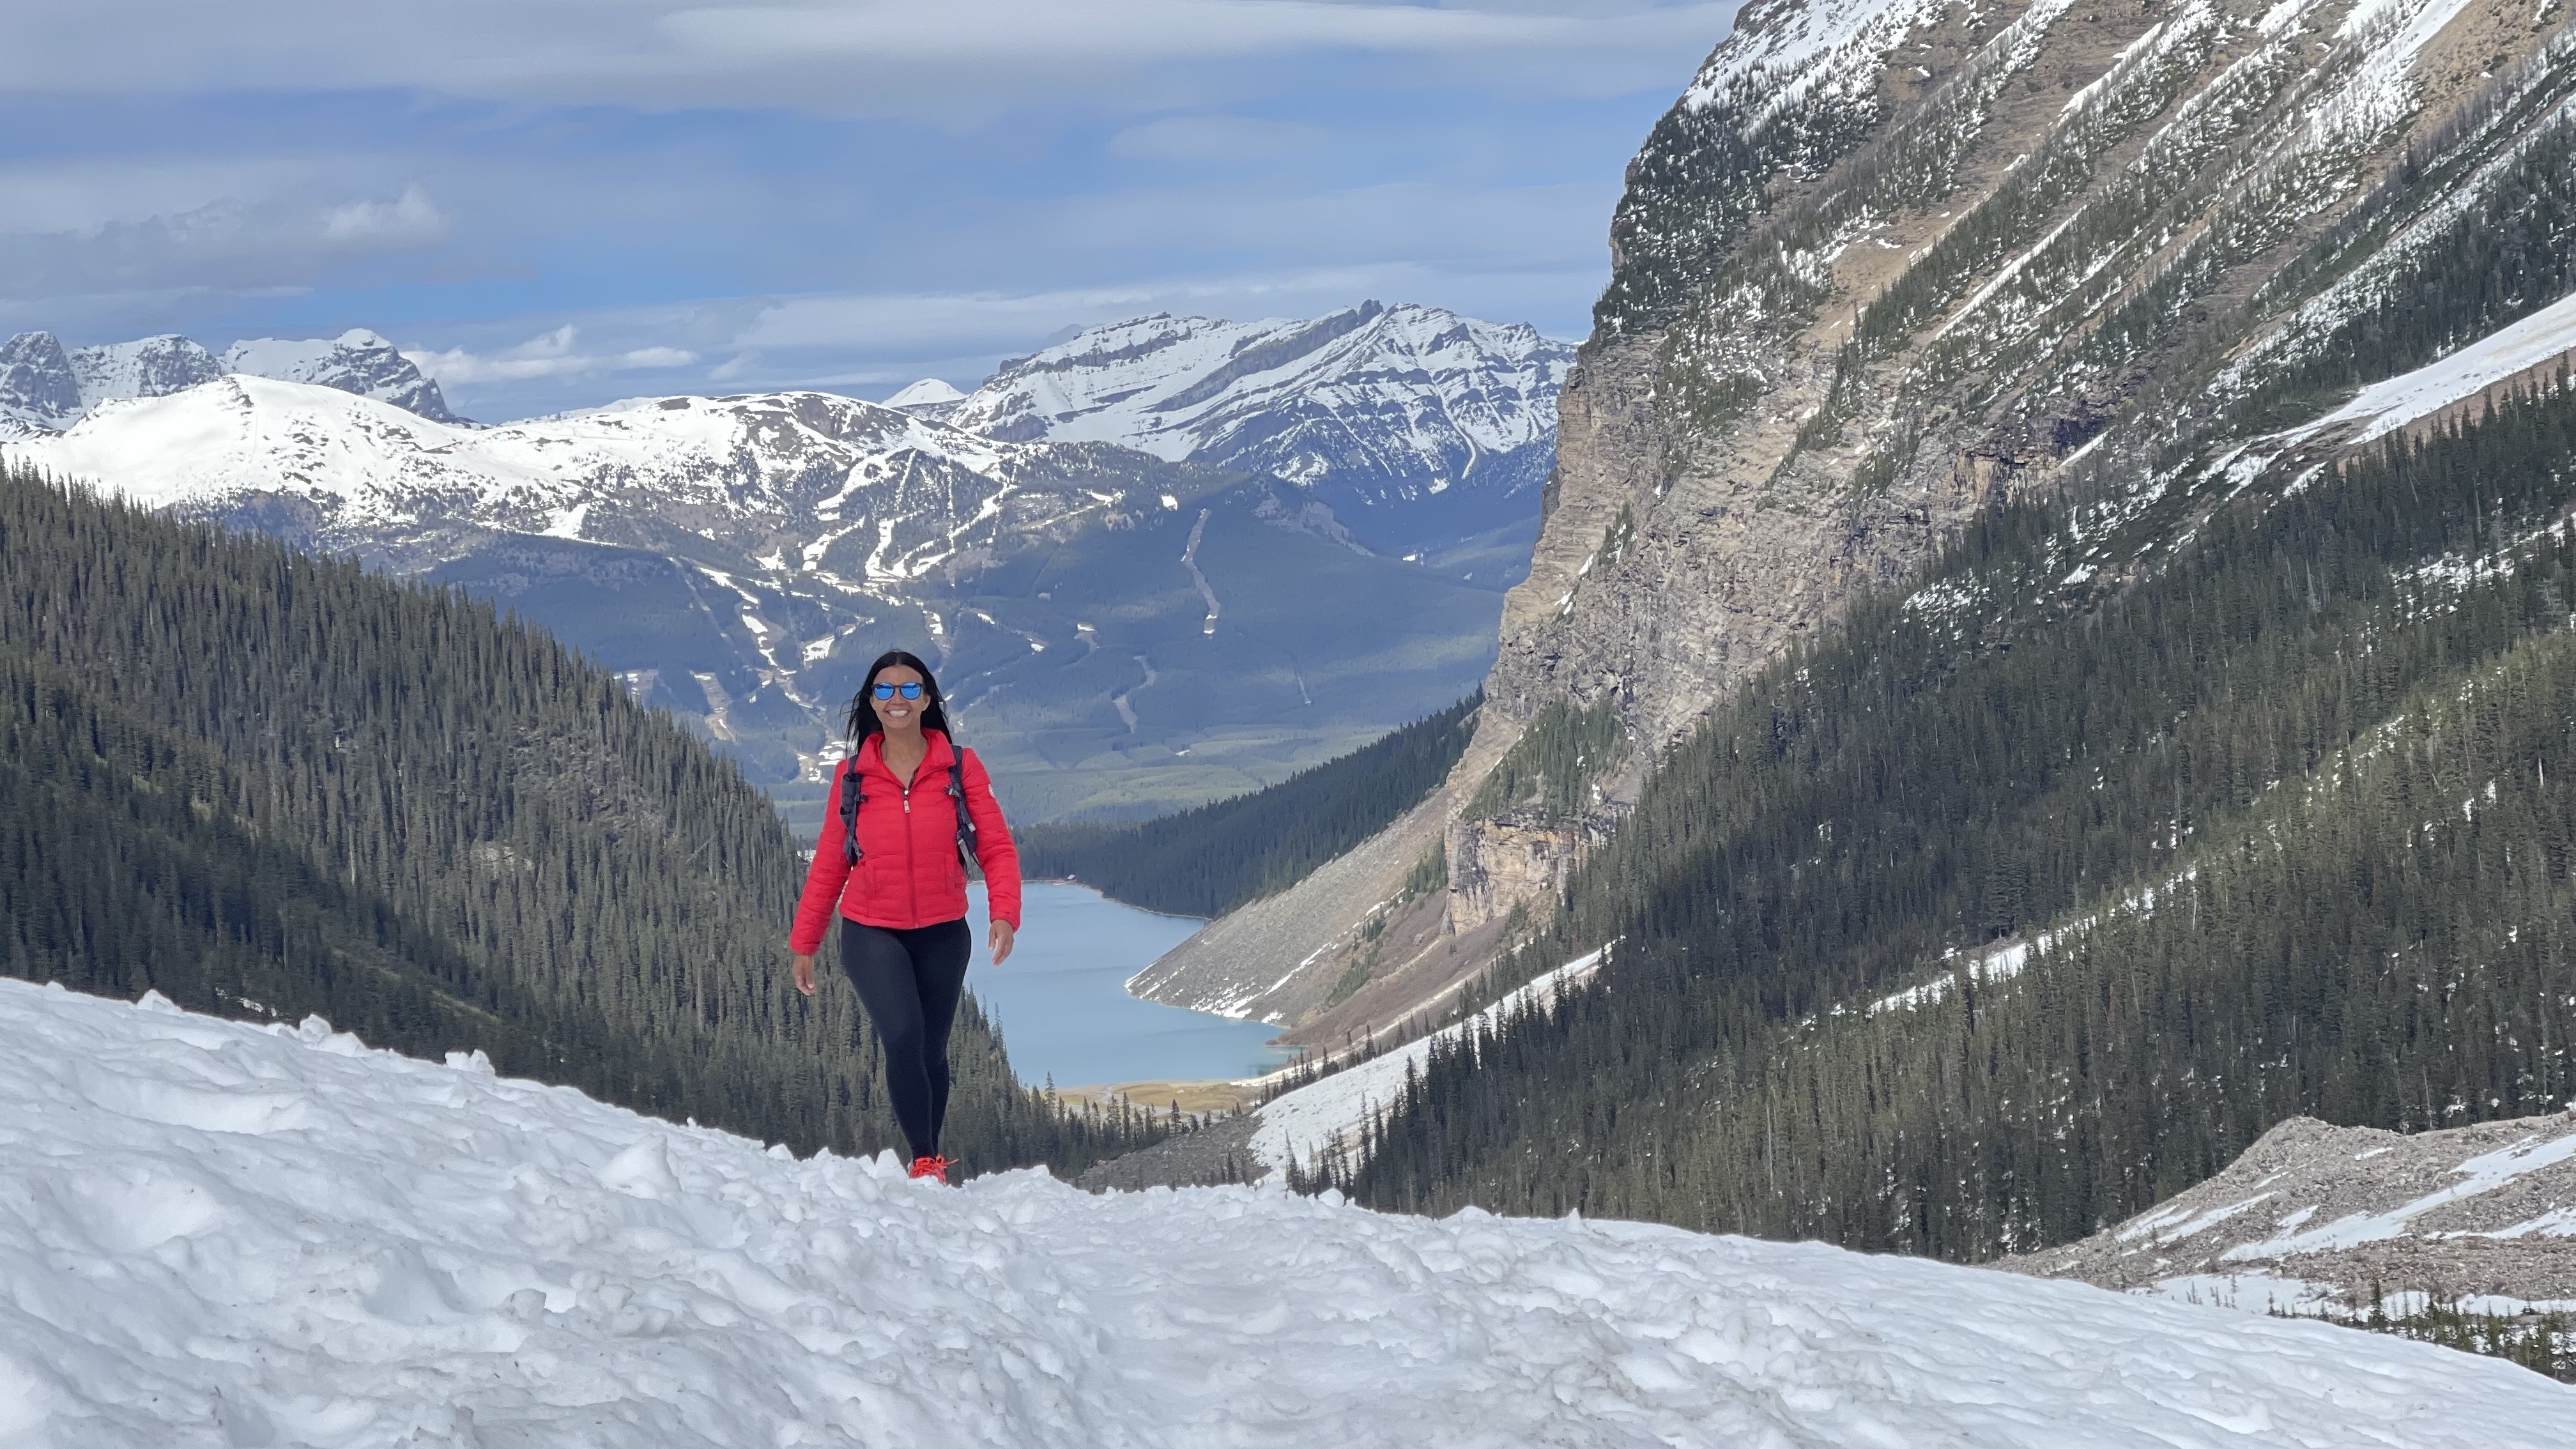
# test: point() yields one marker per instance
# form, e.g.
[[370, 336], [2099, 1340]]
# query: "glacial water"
[[1063, 1006]]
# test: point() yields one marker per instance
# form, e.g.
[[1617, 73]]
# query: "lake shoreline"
[[1064, 1012], [1080, 884]]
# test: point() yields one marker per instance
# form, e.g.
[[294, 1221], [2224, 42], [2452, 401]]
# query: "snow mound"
[[216, 1233]]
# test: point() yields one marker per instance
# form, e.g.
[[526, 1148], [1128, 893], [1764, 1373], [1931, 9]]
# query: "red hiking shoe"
[[934, 1168]]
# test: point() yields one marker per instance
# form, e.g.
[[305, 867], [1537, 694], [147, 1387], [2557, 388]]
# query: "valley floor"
[[215, 1233]]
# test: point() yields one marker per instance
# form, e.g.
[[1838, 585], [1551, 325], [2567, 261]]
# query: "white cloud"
[[408, 222], [548, 355], [225, 244], [940, 57], [80, 194]]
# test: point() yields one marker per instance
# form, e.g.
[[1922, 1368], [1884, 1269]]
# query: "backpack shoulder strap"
[[957, 793], [853, 794]]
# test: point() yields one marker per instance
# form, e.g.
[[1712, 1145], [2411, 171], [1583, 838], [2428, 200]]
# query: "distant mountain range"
[[45, 388], [1123, 633]]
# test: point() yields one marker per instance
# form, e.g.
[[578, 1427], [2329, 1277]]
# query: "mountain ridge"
[[1420, 428], [45, 389]]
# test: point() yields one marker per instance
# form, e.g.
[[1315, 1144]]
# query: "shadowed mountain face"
[[1122, 634]]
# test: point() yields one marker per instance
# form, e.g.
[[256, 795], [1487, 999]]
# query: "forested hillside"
[[1207, 861], [267, 784], [2285, 815]]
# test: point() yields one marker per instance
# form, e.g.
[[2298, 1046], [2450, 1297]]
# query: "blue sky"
[[554, 203]]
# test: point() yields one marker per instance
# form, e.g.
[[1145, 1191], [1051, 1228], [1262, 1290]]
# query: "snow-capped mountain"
[[929, 398], [45, 388], [740, 559], [151, 367], [356, 361], [860, 495], [388, 1250], [1417, 426]]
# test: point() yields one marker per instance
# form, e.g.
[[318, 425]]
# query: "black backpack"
[[852, 797]]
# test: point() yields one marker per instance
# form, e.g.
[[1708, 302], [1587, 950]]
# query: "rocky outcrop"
[[2319, 1218], [37, 384], [1495, 865]]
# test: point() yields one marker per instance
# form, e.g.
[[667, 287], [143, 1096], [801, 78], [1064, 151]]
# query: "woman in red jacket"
[[893, 856]]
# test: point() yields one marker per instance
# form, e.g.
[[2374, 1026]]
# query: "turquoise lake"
[[1063, 1006]]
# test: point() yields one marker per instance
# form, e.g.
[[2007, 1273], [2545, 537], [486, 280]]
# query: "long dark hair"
[[863, 720]]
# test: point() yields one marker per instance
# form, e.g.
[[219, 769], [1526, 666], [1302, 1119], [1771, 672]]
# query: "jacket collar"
[[872, 753]]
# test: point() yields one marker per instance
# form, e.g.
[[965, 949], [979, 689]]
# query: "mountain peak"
[[928, 394], [37, 384], [357, 361]]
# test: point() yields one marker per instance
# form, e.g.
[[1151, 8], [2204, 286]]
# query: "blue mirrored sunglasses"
[[910, 689]]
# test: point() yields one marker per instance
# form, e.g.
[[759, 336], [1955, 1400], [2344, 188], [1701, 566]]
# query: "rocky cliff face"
[[1885, 262], [2053, 211]]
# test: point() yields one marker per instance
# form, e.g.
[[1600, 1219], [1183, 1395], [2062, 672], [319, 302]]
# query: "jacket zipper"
[[911, 877]]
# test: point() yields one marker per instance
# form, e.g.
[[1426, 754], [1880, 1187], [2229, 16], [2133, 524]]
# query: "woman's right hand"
[[805, 972]]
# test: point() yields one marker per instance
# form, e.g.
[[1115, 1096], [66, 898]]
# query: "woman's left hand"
[[1003, 939]]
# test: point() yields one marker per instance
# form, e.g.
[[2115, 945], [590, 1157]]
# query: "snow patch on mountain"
[[1184, 387], [1790, 48], [220, 1233], [2383, 407], [1297, 1127], [2338, 1221], [151, 367]]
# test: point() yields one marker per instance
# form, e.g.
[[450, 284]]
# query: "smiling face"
[[898, 715]]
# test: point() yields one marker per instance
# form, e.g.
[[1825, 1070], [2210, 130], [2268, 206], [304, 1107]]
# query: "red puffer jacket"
[[908, 873]]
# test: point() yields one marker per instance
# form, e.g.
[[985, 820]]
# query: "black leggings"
[[910, 981]]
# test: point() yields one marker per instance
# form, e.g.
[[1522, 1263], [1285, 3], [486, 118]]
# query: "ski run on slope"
[[215, 1233]]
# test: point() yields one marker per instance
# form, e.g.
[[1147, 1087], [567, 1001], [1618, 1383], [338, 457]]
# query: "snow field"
[[213, 1233], [1300, 1125], [2384, 407]]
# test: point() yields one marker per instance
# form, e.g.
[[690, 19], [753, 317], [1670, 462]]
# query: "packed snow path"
[[218, 1234]]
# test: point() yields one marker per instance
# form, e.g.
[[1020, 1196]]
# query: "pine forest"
[[267, 784]]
